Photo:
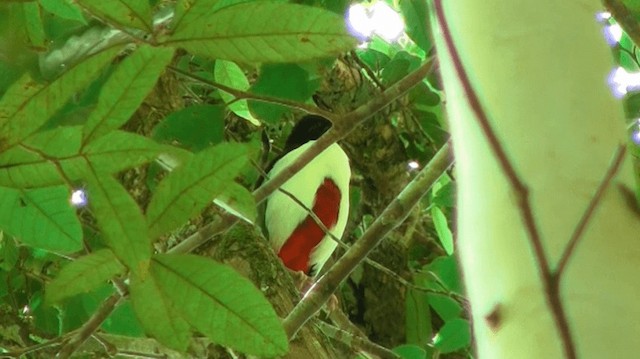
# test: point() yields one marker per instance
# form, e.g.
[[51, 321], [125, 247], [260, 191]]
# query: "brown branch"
[[551, 291], [355, 341], [90, 326], [625, 19], [391, 217], [588, 214]]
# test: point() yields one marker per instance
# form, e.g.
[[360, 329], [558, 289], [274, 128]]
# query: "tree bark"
[[535, 130]]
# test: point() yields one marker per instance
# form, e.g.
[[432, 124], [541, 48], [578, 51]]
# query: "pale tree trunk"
[[534, 75]]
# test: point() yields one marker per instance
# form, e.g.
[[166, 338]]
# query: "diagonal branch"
[[588, 214]]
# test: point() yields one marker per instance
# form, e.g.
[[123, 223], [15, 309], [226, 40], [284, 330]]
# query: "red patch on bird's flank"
[[297, 249]]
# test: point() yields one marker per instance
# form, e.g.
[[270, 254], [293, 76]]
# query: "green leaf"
[[33, 22], [194, 128], [442, 228], [128, 13], [238, 201], [418, 316], [416, 18], [192, 186], [42, 218], [83, 275], [157, 313], [407, 351], [120, 221], [446, 270], [64, 9], [220, 303], [288, 81], [122, 321], [230, 74], [8, 253], [264, 31], [446, 307], [27, 105], [454, 335], [125, 90]]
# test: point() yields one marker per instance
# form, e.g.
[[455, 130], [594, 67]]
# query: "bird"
[[322, 186]]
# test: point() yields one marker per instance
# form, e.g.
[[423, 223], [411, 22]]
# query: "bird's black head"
[[309, 128]]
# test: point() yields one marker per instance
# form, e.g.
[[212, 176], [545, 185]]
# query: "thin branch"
[[588, 214], [391, 217], [251, 96], [625, 18], [90, 326], [34, 348], [551, 293], [367, 70], [356, 341]]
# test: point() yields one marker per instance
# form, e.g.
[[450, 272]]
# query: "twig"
[[588, 214], [390, 218], [90, 326], [521, 191], [34, 348], [355, 341], [367, 70]]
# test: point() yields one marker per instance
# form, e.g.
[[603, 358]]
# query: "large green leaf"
[[157, 314], [120, 220], [51, 157], [125, 90], [128, 13], [220, 303], [264, 31], [190, 187], [42, 218], [83, 275], [27, 105], [230, 74]]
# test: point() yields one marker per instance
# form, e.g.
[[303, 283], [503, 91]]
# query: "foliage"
[[77, 85]]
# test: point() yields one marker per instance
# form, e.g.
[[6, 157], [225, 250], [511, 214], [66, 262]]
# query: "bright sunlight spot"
[[413, 165], [613, 34], [603, 16], [621, 82], [635, 137], [377, 19], [78, 198]]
